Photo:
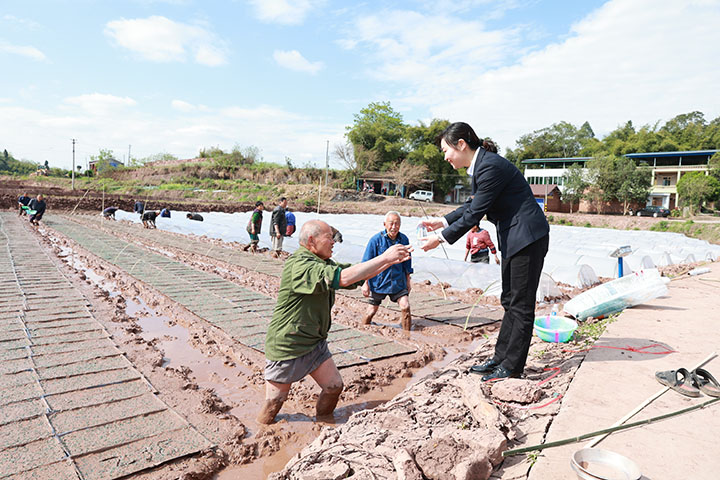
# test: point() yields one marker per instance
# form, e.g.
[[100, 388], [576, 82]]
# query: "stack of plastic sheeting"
[[617, 295]]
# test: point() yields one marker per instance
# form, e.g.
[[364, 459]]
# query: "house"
[[111, 162], [383, 183], [549, 198], [666, 167]]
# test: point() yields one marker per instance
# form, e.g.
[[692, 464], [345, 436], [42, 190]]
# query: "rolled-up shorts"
[[254, 239], [377, 298], [289, 371]]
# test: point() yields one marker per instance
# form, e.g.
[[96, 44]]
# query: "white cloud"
[[22, 50], [160, 39], [182, 106], [293, 60], [99, 104], [428, 46], [22, 22], [644, 61], [40, 135], [285, 12]]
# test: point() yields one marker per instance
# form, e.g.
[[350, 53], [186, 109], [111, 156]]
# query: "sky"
[[143, 77]]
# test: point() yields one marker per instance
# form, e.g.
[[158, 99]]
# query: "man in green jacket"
[[296, 343]]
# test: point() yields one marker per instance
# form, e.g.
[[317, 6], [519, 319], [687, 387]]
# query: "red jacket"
[[477, 241]]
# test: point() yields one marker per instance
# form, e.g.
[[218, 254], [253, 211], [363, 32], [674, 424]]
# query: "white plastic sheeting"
[[617, 295], [576, 275], [577, 247]]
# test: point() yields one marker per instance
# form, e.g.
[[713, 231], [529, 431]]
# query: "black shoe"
[[498, 373], [486, 367]]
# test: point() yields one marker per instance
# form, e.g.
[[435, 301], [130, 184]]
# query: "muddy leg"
[[275, 395], [405, 317], [369, 314], [329, 379], [327, 401]]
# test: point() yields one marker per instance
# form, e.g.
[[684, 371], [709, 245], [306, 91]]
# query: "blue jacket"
[[394, 279]]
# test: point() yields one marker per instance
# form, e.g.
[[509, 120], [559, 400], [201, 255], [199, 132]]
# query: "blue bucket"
[[555, 329]]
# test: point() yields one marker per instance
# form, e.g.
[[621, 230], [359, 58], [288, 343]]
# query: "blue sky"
[[288, 75]]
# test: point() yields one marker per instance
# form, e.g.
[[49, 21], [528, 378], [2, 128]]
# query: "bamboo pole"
[[607, 431], [645, 404]]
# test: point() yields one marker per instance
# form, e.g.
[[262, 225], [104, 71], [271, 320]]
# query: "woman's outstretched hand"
[[431, 242]]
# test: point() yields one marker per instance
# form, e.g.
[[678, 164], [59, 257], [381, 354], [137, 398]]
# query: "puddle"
[[209, 372]]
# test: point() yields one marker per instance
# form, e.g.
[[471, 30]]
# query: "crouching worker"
[[296, 343], [148, 218]]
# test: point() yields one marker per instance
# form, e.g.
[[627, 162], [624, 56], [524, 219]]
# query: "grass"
[[588, 332], [532, 457]]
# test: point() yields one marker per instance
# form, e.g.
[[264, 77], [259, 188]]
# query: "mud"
[[217, 385]]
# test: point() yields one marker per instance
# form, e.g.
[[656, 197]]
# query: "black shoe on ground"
[[498, 373], [487, 367]]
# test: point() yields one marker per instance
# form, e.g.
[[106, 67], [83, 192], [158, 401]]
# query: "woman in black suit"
[[501, 192]]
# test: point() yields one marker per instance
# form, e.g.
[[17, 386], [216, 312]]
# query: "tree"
[[380, 130], [409, 174], [714, 165], [575, 184], [696, 188], [619, 178], [424, 150], [102, 160], [635, 184], [156, 157]]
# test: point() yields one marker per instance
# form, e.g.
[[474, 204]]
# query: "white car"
[[422, 195]]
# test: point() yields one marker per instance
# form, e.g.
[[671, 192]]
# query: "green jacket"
[[301, 318]]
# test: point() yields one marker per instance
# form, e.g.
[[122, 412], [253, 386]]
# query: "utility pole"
[[327, 160], [73, 169], [128, 162]]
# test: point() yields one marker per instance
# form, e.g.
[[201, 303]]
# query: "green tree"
[[380, 130], [619, 178], [560, 140], [575, 184], [635, 183], [424, 150], [156, 157], [714, 165], [696, 188], [102, 160]]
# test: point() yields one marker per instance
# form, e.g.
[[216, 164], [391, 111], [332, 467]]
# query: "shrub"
[[661, 226]]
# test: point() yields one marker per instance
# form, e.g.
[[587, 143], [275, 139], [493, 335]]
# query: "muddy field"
[[216, 383]]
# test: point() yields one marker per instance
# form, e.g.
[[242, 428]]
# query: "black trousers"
[[520, 280]]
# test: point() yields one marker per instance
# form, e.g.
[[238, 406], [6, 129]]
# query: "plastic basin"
[[553, 328], [596, 464]]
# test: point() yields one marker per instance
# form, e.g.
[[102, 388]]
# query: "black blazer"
[[501, 192]]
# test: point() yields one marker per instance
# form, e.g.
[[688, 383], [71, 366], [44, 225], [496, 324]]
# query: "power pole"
[[73, 169], [327, 160], [128, 162]]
